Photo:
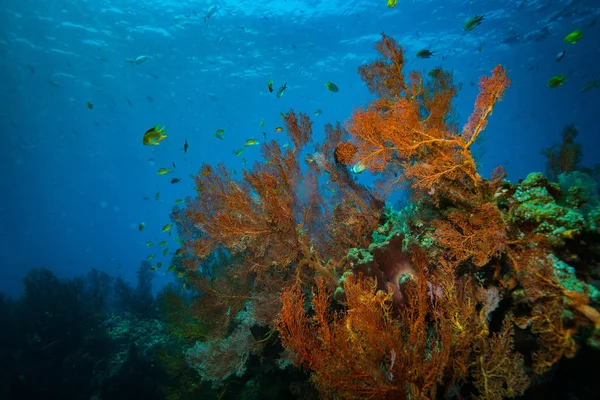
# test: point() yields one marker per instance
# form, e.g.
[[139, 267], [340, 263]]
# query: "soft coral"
[[409, 127]]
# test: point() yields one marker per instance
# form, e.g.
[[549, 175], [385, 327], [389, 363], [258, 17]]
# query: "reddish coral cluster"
[[344, 153], [477, 237], [371, 351], [413, 316], [409, 128], [272, 225], [431, 327]]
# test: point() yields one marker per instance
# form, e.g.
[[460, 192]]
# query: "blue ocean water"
[[77, 181]]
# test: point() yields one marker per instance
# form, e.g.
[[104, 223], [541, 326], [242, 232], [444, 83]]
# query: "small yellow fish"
[[178, 201], [574, 37], [270, 86], [154, 135], [141, 226], [179, 251], [239, 152], [157, 196], [391, 3], [171, 268], [556, 81], [167, 227], [148, 244], [163, 171], [180, 275], [281, 90], [358, 168], [472, 23], [262, 122], [153, 268], [278, 129], [165, 251], [162, 243], [251, 142], [219, 133], [150, 257], [332, 87]]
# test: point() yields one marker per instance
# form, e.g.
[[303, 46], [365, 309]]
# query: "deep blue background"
[[74, 180]]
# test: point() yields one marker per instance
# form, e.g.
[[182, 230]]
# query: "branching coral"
[[370, 350], [498, 371], [257, 216], [425, 310], [352, 355], [477, 237], [436, 311], [409, 126], [272, 225]]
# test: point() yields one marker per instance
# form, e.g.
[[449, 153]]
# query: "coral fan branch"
[[409, 127], [491, 90]]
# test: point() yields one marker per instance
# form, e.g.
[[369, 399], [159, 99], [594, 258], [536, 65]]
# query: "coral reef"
[[70, 339], [475, 289]]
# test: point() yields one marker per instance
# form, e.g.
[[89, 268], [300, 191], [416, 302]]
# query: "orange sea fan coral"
[[491, 90], [353, 357], [384, 77], [414, 312], [409, 127], [476, 237], [274, 217], [344, 153], [369, 349], [498, 372], [256, 216], [299, 128]]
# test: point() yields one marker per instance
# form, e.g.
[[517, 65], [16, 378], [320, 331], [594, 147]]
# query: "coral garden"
[[475, 289]]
